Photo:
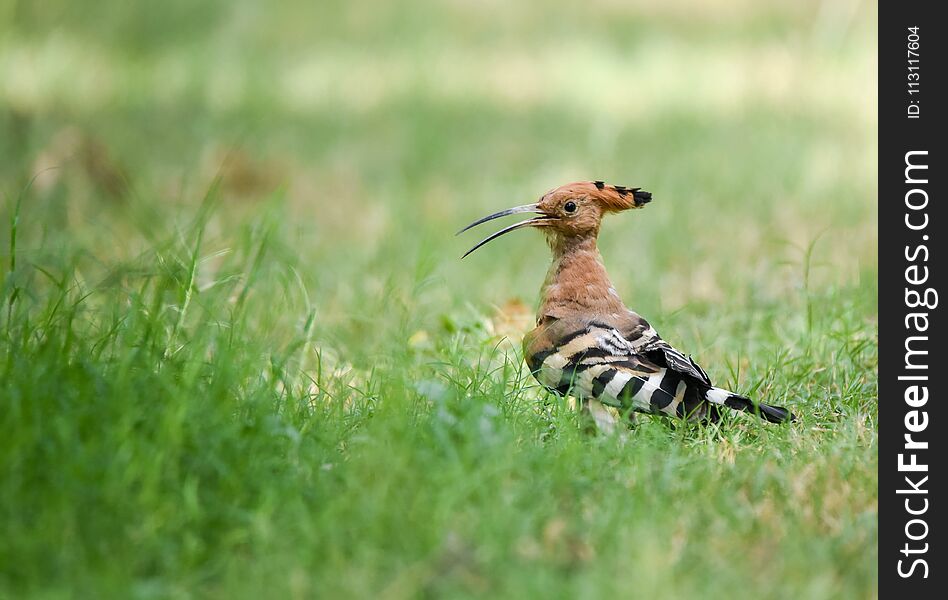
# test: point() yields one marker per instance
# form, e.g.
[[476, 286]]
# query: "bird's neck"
[[577, 281]]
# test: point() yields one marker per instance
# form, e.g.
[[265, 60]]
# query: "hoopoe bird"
[[587, 343]]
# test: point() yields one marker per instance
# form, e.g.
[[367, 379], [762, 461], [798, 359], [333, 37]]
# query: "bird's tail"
[[774, 414]]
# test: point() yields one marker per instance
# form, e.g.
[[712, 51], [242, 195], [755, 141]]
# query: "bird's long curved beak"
[[526, 208]]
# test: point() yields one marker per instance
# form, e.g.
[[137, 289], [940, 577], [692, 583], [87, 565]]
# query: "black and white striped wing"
[[594, 360], [664, 355]]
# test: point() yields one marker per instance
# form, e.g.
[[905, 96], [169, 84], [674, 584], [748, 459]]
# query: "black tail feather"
[[774, 414]]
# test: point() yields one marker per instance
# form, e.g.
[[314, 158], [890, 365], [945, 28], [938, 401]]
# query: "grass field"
[[239, 356]]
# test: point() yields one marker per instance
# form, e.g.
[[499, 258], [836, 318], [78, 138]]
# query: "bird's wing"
[[578, 342], [644, 340], [664, 355], [590, 358]]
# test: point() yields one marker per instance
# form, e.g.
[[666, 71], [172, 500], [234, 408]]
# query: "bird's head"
[[571, 211]]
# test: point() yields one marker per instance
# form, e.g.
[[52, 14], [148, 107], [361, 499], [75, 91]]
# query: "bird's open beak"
[[526, 208]]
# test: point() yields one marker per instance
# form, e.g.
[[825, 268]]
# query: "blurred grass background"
[[239, 355]]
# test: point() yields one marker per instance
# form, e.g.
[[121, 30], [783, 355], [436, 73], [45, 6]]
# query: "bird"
[[587, 343]]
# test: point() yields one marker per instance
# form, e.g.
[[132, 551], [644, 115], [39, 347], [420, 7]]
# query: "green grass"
[[239, 356]]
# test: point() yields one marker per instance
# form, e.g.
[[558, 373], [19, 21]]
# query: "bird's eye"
[[570, 207]]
